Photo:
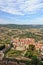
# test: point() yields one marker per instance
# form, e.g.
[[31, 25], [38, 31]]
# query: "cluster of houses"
[[23, 43]]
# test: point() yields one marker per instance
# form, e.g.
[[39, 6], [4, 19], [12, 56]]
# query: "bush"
[[40, 63], [28, 54]]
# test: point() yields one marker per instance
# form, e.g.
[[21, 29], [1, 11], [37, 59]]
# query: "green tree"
[[40, 63], [35, 60], [31, 47]]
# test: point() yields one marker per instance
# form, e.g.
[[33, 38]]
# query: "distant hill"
[[20, 26]]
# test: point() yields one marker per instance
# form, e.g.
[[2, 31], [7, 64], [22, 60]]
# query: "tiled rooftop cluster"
[[23, 43]]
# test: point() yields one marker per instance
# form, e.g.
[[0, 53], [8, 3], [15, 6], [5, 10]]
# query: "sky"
[[21, 12]]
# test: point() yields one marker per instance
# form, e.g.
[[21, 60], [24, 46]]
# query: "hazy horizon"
[[21, 24]]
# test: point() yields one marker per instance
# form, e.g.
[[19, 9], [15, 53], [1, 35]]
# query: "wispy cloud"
[[21, 7]]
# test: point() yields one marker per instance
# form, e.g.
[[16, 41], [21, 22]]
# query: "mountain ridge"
[[20, 26]]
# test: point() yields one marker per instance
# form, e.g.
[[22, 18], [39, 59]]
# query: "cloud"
[[21, 7]]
